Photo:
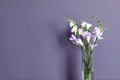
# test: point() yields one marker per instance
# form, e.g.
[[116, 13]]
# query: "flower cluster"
[[85, 35]]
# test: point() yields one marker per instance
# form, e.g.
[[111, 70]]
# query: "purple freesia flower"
[[93, 46], [76, 40], [73, 37], [79, 41], [87, 35]]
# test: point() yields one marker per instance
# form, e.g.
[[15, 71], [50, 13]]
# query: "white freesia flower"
[[71, 24], [98, 33], [74, 29], [88, 25], [80, 31], [85, 24]]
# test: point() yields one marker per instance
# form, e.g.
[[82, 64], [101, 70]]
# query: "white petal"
[[88, 38], [83, 24], [71, 24], [73, 29], [88, 25], [80, 31]]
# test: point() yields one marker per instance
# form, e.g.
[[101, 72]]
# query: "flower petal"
[[93, 46], [71, 24], [80, 31], [79, 41]]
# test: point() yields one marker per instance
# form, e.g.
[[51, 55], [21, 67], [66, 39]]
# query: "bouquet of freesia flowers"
[[86, 36]]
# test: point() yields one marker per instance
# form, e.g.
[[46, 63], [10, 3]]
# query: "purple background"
[[34, 41]]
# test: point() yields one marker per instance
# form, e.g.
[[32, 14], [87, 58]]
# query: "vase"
[[87, 65], [87, 76]]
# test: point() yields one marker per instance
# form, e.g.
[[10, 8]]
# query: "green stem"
[[87, 64], [86, 75]]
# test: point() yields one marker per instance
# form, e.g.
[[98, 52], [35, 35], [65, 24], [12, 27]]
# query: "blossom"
[[87, 35], [79, 41], [94, 38], [93, 46], [74, 29], [76, 40], [80, 31], [98, 33], [71, 24], [73, 37], [85, 24]]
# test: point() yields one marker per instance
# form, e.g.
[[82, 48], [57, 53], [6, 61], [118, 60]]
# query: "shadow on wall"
[[69, 49], [66, 45]]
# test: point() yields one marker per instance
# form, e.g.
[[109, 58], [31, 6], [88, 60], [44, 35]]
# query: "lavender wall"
[[34, 41]]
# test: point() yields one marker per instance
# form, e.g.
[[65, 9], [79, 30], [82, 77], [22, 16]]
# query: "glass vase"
[[87, 76], [87, 64]]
